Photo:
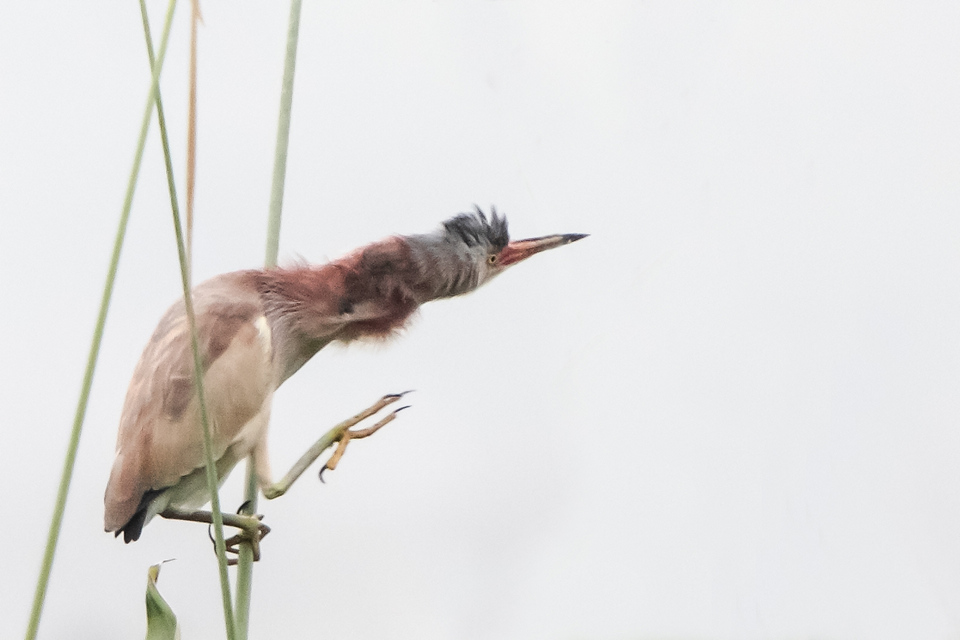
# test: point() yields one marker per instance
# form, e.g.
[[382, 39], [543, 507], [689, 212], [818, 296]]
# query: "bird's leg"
[[251, 529], [340, 435]]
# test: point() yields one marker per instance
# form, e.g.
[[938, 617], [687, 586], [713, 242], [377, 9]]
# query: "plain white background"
[[732, 412]]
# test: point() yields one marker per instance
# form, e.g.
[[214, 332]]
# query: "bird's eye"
[[492, 259]]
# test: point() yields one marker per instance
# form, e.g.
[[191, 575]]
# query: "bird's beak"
[[522, 249]]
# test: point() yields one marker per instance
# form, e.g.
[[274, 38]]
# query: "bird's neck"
[[371, 292]]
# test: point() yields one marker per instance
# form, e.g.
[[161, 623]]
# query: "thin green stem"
[[68, 464], [283, 135], [245, 562], [192, 127], [245, 556], [211, 469]]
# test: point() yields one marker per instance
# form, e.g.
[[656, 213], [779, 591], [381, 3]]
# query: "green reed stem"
[[245, 563], [211, 469], [66, 476]]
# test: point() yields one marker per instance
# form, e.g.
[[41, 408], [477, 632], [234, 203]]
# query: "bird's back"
[[160, 438]]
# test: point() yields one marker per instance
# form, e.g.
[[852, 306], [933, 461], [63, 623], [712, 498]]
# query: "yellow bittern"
[[255, 329]]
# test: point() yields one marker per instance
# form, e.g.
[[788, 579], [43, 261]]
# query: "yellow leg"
[[339, 435]]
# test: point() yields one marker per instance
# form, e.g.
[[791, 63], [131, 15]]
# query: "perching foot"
[[251, 530], [253, 536]]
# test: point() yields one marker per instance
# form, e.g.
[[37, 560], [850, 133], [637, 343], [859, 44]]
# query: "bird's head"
[[488, 244]]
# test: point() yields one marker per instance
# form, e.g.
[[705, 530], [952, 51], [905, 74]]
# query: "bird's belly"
[[250, 434]]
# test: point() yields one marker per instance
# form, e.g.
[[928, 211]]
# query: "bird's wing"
[[160, 438]]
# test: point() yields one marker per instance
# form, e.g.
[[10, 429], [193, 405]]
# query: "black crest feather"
[[474, 229]]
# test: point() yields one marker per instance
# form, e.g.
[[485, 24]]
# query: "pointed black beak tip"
[[573, 237]]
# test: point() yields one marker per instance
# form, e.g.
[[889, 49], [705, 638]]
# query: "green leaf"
[[161, 621]]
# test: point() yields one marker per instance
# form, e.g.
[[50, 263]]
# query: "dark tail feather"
[[134, 527], [131, 531]]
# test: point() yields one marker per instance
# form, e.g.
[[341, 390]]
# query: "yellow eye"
[[492, 259]]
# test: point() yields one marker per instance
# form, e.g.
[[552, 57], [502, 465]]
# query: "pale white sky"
[[730, 413]]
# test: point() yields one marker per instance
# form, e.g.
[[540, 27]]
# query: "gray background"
[[729, 413]]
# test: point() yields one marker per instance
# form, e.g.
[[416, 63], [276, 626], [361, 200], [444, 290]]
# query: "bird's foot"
[[347, 434], [252, 530], [252, 536]]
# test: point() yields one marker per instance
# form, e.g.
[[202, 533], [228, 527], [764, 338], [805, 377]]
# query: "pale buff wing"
[[160, 438]]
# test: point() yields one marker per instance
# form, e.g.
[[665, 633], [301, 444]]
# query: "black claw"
[[399, 395], [401, 409], [245, 504], [210, 535], [320, 475]]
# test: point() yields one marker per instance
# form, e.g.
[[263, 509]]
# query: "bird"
[[256, 328]]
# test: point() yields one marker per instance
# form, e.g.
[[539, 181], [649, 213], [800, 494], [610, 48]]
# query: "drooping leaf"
[[161, 621]]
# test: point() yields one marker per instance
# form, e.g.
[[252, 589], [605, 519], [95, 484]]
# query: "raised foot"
[[339, 435], [346, 434]]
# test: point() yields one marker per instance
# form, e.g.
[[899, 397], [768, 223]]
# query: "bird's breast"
[[242, 379]]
